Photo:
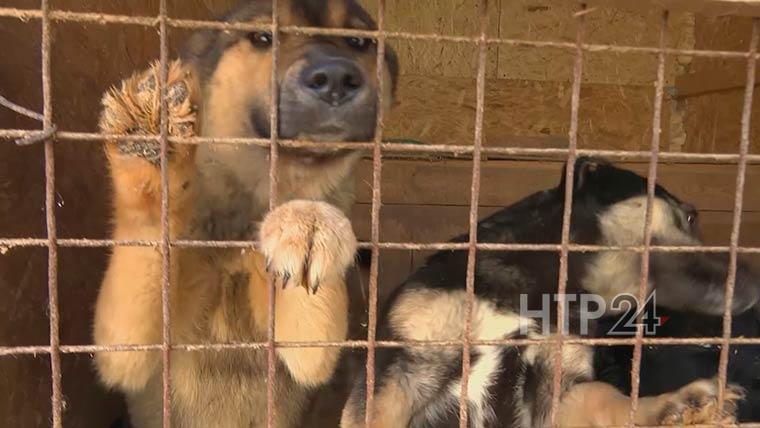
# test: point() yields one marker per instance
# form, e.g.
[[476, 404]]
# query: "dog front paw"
[[307, 243], [134, 108], [697, 404]]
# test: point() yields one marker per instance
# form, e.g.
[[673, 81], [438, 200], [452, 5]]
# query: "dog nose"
[[334, 81]]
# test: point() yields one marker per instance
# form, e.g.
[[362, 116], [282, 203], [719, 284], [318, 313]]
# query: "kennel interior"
[[527, 104]]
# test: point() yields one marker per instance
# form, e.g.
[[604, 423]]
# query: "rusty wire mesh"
[[49, 134]]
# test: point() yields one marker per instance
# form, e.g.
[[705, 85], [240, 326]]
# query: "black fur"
[[667, 367]]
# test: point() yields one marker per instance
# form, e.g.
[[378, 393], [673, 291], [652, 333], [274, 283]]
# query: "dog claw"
[[285, 280]]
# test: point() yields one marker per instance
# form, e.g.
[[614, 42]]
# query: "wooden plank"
[[713, 123], [439, 223], [712, 80], [709, 187], [704, 7]]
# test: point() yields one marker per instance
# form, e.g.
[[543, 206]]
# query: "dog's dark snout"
[[335, 81]]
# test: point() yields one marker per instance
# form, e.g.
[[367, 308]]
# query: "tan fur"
[[596, 404], [390, 410], [327, 179], [424, 315], [336, 15], [617, 272], [217, 296], [221, 191]]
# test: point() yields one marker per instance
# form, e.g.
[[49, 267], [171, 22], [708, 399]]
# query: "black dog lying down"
[[668, 367], [512, 386]]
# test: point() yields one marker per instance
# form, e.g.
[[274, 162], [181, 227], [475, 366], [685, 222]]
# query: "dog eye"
[[358, 42], [260, 38], [691, 218]]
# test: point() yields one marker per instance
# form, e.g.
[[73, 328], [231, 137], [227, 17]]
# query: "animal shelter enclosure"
[[492, 99]]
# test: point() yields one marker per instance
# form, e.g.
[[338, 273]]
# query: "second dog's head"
[[327, 85]]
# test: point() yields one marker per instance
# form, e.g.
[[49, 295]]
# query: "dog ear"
[[198, 45], [585, 170], [364, 258]]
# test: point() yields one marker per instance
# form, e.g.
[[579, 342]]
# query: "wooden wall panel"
[[553, 21], [446, 17], [709, 187], [440, 223], [714, 89], [427, 203]]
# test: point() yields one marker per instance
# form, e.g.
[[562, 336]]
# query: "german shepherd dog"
[[220, 87], [512, 386]]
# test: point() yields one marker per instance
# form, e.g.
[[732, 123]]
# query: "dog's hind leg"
[[409, 384], [533, 399], [596, 404], [584, 403]]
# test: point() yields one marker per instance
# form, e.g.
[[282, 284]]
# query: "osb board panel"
[[721, 33], [442, 111], [140, 8], [531, 20], [713, 122], [713, 74], [551, 20], [708, 187], [447, 17]]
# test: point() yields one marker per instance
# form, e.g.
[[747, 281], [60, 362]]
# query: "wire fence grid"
[[50, 135]]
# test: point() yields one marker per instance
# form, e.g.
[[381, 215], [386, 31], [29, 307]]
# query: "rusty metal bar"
[[34, 137], [651, 184], [56, 401], [568, 210], [7, 244], [377, 198], [555, 153], [273, 189], [165, 221], [738, 203], [473, 215], [354, 344], [5, 102]]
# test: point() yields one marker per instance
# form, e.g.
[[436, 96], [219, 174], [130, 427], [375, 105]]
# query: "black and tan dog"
[[667, 367], [512, 386], [221, 88]]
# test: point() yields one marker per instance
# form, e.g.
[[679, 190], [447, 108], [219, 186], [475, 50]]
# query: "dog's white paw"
[[307, 243]]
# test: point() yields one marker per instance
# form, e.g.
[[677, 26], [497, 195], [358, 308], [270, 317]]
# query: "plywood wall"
[[711, 94], [528, 89]]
